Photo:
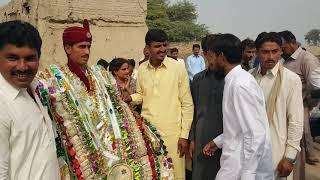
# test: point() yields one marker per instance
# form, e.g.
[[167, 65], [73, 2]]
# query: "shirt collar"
[[272, 71], [11, 91], [163, 64], [233, 72], [296, 53]]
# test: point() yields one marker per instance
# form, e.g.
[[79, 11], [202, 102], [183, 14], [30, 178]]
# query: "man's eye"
[[12, 58]]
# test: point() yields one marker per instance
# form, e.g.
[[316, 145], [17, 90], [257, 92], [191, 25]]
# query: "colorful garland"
[[112, 115]]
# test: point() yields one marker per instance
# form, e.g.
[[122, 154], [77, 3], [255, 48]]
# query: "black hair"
[[116, 64], [172, 50], [288, 36], [155, 35], [208, 38], [247, 43], [132, 62], [268, 37], [103, 63], [195, 46], [229, 45], [20, 34]]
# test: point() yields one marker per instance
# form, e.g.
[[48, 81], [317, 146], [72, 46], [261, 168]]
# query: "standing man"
[[245, 142], [304, 64], [283, 91], [27, 148], [207, 91], [195, 62], [248, 53], [174, 54], [166, 100], [146, 55]]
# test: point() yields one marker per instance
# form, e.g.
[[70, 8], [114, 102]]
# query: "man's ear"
[[222, 58], [67, 48]]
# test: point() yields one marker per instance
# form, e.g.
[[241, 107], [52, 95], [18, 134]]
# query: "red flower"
[[76, 164], [72, 153], [78, 173], [69, 144]]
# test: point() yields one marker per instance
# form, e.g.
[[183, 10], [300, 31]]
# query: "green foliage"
[[313, 37], [177, 20], [182, 11], [157, 9]]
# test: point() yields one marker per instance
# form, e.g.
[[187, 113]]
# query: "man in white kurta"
[[27, 150], [245, 142], [286, 123]]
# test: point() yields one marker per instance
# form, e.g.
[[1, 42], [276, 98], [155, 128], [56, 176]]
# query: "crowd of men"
[[240, 111]]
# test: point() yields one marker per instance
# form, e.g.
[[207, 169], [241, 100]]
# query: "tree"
[[177, 20], [313, 37], [182, 11]]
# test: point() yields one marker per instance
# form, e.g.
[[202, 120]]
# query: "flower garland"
[[89, 121], [133, 162]]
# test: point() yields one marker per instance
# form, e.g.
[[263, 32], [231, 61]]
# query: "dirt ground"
[[313, 172]]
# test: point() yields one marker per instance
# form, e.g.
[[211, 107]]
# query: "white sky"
[[247, 18]]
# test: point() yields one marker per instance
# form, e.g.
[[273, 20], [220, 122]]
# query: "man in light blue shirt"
[[195, 62]]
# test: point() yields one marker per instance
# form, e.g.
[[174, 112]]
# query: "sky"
[[247, 18]]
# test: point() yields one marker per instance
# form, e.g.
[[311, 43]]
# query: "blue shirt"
[[195, 64]]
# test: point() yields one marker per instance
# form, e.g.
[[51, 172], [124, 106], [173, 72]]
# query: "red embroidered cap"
[[73, 35]]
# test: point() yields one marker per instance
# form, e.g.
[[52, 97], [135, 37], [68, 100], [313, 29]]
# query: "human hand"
[[182, 146], [285, 167], [127, 84], [127, 98], [210, 148], [191, 148]]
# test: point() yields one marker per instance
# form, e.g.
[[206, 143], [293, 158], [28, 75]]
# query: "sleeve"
[[189, 68], [194, 93], [203, 64], [315, 78], [309, 70], [5, 146], [219, 141], [186, 103], [295, 118], [137, 97], [251, 115]]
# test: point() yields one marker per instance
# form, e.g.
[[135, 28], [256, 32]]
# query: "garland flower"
[[100, 137]]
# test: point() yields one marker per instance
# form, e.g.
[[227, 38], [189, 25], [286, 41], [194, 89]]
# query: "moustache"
[[23, 73]]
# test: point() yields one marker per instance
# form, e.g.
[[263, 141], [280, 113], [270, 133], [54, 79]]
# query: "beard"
[[219, 74], [285, 56]]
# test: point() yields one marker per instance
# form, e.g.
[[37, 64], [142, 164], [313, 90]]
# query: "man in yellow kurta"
[[164, 92]]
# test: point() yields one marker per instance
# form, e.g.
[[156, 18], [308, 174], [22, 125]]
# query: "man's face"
[[269, 55], [158, 50], [196, 51], [287, 48], [18, 65], [248, 54], [175, 55], [211, 60], [215, 62], [79, 52]]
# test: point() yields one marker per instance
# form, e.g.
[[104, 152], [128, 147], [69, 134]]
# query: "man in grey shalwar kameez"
[[207, 91]]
